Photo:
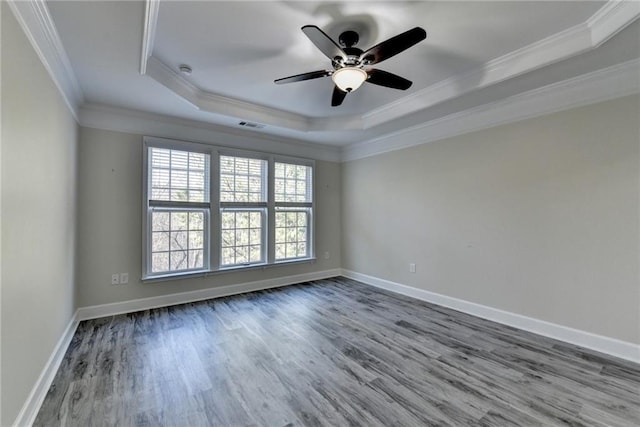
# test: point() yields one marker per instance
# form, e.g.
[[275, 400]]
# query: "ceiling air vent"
[[251, 125]]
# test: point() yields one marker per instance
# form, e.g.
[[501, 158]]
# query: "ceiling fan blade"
[[386, 79], [337, 97], [324, 42], [303, 76], [393, 46]]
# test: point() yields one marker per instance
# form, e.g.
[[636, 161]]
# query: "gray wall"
[[110, 224], [539, 218], [38, 166]]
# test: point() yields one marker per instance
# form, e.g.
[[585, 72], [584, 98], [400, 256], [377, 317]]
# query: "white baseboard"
[[96, 311], [30, 409], [622, 349]]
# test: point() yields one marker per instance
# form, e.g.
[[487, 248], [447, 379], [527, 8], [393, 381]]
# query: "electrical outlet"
[[115, 279], [124, 278], [326, 255], [412, 268]]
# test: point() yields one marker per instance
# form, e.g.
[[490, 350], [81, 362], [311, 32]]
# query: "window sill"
[[234, 269]]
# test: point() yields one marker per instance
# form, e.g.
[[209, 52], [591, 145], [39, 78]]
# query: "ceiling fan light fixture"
[[349, 79], [348, 63]]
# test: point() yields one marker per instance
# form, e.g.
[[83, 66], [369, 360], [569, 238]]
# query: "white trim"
[[602, 25], [96, 311], [151, 10], [601, 85], [612, 18], [622, 349], [35, 20], [37, 24], [148, 206], [243, 110], [143, 123], [37, 395], [223, 105], [29, 411], [543, 52]]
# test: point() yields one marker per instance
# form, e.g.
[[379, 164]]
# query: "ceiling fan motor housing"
[[352, 58]]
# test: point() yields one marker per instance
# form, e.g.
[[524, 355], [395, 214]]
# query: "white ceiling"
[[476, 52], [238, 49]]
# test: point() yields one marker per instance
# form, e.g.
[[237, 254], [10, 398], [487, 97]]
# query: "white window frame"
[[150, 206], [214, 208], [308, 206]]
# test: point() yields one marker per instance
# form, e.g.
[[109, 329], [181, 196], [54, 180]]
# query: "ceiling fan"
[[350, 63]]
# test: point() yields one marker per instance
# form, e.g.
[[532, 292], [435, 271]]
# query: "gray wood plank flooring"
[[330, 353]]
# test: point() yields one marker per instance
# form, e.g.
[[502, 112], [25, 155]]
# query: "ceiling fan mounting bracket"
[[348, 38]]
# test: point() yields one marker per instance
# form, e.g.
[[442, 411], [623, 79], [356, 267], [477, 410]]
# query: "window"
[[243, 210], [177, 240], [293, 201], [210, 209], [178, 189]]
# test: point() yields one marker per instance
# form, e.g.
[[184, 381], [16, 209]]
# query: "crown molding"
[[36, 22], [606, 22], [543, 52], [608, 83], [151, 9], [223, 105], [612, 18], [219, 104], [150, 124], [243, 110]]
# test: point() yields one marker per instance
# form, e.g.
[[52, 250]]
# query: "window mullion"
[[177, 205], [214, 198], [271, 212], [294, 204], [310, 178], [243, 205], [311, 230]]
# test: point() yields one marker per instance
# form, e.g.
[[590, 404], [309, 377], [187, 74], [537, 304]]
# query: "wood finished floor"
[[330, 353]]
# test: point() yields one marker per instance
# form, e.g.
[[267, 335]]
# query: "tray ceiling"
[[127, 54]]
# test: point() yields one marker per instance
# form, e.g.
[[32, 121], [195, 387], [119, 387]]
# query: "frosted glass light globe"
[[349, 79]]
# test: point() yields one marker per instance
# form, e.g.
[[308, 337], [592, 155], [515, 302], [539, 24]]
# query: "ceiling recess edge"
[[601, 26], [36, 22], [590, 88]]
